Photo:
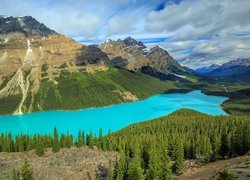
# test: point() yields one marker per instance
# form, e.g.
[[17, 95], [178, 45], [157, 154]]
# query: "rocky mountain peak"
[[158, 49], [132, 42], [26, 25]]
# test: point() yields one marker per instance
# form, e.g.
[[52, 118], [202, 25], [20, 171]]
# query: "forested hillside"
[[81, 90], [154, 149]]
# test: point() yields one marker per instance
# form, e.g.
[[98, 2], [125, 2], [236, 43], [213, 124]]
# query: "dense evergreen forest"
[[153, 149]]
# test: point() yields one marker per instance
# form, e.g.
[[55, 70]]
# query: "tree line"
[[153, 149]]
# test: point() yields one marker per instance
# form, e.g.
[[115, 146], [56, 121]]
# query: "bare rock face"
[[129, 51], [131, 54], [162, 58], [91, 55], [132, 42], [27, 45], [73, 163], [161, 61]]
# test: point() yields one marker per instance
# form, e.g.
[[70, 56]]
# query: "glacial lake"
[[112, 117]]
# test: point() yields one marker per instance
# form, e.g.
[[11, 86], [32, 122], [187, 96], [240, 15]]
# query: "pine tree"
[[39, 146], [239, 141], [167, 172], [207, 148], [110, 172], [178, 156], [90, 140], [215, 144], [55, 147], [27, 173], [135, 172], [120, 167], [224, 150], [100, 139], [80, 139], [155, 166], [68, 140]]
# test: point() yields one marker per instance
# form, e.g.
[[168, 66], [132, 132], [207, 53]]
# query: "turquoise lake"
[[112, 117]]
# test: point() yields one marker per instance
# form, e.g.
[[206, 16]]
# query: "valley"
[[114, 110], [110, 118]]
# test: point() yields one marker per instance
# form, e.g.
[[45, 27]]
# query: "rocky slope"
[[133, 55], [73, 163], [236, 71]]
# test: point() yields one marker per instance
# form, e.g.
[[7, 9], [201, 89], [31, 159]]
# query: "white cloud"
[[218, 23], [210, 28]]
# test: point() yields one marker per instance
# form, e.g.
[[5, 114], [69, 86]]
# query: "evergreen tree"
[[27, 173], [155, 166], [110, 172], [80, 139], [90, 140], [55, 147], [178, 156], [39, 146], [135, 172], [166, 165], [224, 150], [100, 139], [215, 145], [120, 168], [207, 148]]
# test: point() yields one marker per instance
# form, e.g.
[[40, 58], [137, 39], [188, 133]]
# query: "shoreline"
[[171, 91]]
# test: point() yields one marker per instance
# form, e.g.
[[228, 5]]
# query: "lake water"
[[112, 117]]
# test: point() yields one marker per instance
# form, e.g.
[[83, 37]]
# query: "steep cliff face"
[[160, 59], [91, 55], [131, 53]]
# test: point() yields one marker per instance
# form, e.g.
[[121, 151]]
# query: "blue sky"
[[195, 32]]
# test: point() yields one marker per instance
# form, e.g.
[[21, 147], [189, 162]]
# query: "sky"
[[195, 32]]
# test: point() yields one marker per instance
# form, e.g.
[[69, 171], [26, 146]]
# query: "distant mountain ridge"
[[235, 70], [133, 55], [27, 25]]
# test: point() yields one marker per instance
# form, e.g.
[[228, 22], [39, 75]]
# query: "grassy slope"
[[82, 90]]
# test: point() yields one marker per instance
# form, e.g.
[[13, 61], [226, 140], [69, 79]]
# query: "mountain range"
[[234, 71], [41, 69]]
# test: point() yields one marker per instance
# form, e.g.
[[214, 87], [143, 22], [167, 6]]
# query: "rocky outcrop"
[[161, 59], [91, 55], [132, 42], [73, 163], [132, 55]]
